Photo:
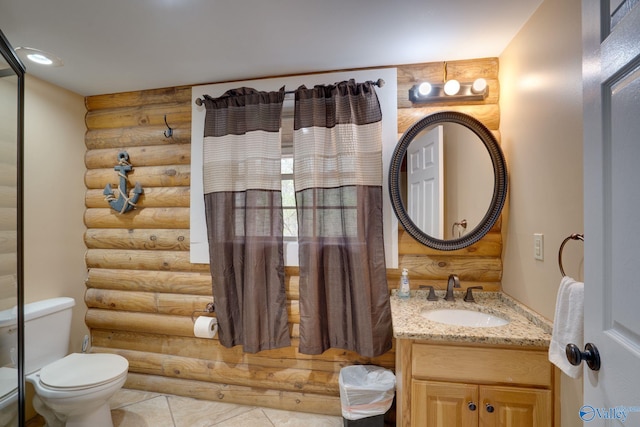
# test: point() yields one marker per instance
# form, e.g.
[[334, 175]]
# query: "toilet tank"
[[47, 329], [8, 337]]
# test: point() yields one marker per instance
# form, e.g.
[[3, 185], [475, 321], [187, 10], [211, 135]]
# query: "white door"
[[611, 71], [425, 183]]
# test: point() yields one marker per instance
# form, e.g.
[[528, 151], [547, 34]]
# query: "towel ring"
[[574, 236]]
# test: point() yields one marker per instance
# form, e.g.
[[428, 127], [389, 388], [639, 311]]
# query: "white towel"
[[568, 325]]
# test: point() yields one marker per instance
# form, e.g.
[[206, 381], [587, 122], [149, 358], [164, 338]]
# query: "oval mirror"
[[447, 180]]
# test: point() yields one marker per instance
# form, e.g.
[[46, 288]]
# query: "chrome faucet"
[[453, 282]]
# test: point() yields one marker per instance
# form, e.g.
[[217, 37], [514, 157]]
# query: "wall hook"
[[169, 132]]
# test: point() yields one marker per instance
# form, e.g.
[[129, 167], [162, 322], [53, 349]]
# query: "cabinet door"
[[436, 404], [514, 407]]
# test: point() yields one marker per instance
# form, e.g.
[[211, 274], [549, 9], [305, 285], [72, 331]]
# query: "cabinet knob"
[[490, 408], [590, 355], [472, 406]]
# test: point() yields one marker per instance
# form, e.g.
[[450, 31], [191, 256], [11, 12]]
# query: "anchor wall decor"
[[122, 203]]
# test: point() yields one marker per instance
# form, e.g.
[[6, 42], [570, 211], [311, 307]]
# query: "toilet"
[[71, 390]]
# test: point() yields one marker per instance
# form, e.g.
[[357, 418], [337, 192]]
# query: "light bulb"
[[479, 85], [424, 88], [452, 87], [39, 59]]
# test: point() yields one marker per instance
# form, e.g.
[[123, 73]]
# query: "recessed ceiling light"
[[38, 56]]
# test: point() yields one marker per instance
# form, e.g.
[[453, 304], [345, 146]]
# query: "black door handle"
[[590, 355]]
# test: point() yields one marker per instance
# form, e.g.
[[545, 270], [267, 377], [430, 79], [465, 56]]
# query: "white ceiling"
[[111, 46]]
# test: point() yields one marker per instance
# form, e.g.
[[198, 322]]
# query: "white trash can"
[[366, 394]]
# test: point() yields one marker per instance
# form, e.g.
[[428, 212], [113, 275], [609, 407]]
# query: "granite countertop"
[[525, 328]]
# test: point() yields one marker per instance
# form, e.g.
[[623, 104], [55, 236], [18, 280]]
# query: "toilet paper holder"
[[209, 308]]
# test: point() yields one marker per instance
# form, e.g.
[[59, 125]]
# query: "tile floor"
[[133, 408]]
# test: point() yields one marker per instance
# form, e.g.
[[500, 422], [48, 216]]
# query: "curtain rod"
[[379, 83]]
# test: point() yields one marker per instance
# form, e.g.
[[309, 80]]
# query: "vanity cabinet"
[[442, 385]]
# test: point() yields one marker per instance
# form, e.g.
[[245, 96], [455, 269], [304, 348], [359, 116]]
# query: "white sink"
[[469, 318]]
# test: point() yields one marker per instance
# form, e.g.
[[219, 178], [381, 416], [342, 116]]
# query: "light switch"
[[538, 246]]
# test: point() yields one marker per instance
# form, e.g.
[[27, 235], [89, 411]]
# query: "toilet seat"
[[79, 371]]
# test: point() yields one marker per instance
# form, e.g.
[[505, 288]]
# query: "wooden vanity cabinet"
[[473, 386]]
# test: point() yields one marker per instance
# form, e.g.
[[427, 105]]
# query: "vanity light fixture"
[[477, 90], [38, 56], [451, 89]]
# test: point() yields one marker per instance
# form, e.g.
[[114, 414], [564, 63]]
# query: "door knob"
[[490, 408], [590, 355], [472, 406]]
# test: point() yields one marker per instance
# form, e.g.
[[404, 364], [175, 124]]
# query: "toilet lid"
[[79, 370], [8, 381]]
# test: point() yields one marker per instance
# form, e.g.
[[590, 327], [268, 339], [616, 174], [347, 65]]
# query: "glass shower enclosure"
[[11, 266]]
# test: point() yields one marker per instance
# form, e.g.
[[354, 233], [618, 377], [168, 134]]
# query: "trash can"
[[366, 394]]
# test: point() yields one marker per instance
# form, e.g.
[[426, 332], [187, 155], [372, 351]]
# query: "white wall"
[[541, 126], [54, 198]]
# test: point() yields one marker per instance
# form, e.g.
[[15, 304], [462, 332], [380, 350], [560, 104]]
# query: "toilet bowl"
[[74, 391]]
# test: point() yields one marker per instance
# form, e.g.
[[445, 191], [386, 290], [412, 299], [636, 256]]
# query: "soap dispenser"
[[404, 291]]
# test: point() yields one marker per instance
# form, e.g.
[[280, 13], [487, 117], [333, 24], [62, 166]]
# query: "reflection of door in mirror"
[[468, 178], [424, 182], [8, 244], [446, 178]]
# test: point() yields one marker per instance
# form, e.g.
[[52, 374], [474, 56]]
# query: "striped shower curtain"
[[242, 192], [344, 297]]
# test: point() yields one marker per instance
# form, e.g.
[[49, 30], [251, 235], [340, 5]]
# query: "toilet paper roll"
[[205, 327]]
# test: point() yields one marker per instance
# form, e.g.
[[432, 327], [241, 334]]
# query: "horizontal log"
[[162, 239], [8, 264], [283, 379], [8, 197], [150, 218], [8, 296], [142, 115], [292, 286], [462, 70], [473, 269], [153, 197], [489, 245], [8, 175], [166, 281], [331, 360], [142, 260], [146, 302], [198, 283], [179, 94], [162, 303], [8, 219], [147, 176], [276, 399], [489, 114], [8, 148], [137, 136], [154, 155], [8, 241], [139, 322]]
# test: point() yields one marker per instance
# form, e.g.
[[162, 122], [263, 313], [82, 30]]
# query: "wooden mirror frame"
[[499, 174]]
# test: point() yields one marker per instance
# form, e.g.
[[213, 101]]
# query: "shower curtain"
[[242, 192], [344, 297]]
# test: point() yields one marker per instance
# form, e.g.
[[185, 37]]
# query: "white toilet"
[[71, 390]]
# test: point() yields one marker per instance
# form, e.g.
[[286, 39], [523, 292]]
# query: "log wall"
[[142, 289], [8, 217]]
